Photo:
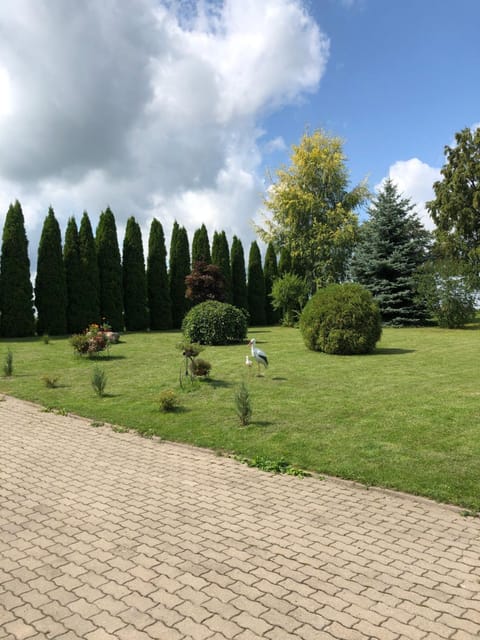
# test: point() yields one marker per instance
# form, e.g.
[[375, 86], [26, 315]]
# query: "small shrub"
[[341, 319], [46, 338], [168, 400], [243, 404], [215, 323], [200, 368], [8, 364], [50, 381], [99, 381], [92, 341]]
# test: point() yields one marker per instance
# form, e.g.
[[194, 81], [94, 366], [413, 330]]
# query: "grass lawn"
[[406, 417]]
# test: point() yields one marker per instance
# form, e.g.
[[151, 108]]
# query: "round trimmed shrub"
[[341, 319], [214, 322]]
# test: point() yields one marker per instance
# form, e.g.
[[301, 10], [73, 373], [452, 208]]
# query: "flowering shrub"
[[93, 340]]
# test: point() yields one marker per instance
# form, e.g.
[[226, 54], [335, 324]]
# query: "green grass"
[[406, 417]]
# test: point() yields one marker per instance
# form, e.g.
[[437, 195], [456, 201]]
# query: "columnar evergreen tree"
[[256, 286], [179, 270], [201, 246], [239, 278], [270, 274], [134, 278], [16, 306], [221, 257], [285, 262], [50, 285], [158, 292], [393, 244], [109, 270], [90, 279], [74, 279]]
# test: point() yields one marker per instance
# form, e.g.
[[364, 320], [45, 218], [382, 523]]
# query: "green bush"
[[215, 323], [168, 400], [341, 319]]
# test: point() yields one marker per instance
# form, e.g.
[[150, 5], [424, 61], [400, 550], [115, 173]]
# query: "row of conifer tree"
[[87, 280]]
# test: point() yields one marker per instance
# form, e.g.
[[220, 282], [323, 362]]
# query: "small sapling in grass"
[[243, 404], [99, 381], [8, 364]]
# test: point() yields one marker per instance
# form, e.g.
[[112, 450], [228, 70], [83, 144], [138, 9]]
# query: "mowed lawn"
[[406, 417]]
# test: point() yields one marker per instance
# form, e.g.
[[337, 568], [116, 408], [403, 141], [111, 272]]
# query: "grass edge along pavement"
[[405, 417]]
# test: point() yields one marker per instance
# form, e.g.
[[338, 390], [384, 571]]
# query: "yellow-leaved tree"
[[311, 212]]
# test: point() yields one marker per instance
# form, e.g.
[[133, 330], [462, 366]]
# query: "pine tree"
[[201, 246], [256, 286], [239, 278], [134, 278], [16, 305], [270, 274], [74, 279], [221, 257], [159, 304], [179, 270], [90, 278], [109, 271], [393, 244], [50, 285]]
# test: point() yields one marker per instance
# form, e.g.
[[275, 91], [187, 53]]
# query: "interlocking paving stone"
[[107, 535]]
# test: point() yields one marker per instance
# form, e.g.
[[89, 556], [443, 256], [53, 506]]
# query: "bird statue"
[[258, 355]]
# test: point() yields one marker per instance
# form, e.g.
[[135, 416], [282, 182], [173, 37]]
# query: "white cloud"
[[414, 180], [153, 111]]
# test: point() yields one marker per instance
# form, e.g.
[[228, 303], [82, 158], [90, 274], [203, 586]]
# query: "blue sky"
[[176, 109]]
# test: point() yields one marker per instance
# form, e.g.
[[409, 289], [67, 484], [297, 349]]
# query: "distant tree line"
[[89, 280], [313, 228]]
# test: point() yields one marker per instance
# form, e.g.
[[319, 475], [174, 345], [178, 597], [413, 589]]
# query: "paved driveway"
[[105, 535]]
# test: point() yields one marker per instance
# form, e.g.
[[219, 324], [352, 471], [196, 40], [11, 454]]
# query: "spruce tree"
[[201, 246], [158, 292], [134, 278], [50, 285], [270, 274], [109, 271], [179, 270], [221, 257], [90, 278], [74, 279], [393, 244], [16, 305], [239, 279]]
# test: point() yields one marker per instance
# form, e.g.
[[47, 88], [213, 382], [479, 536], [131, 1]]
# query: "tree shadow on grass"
[[385, 351], [219, 384]]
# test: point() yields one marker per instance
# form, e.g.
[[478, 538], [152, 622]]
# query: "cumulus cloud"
[[414, 180], [152, 109]]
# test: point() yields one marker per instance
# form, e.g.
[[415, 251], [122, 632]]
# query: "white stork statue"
[[258, 355]]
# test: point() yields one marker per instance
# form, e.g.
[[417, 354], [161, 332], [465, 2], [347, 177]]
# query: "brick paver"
[[107, 535]]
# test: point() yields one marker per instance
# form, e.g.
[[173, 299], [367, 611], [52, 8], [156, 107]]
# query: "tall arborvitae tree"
[[270, 274], [50, 285], [285, 262], [239, 278], [109, 271], [393, 244], [201, 246], [16, 305], [90, 278], [179, 270], [74, 279], [221, 257], [134, 278], [256, 286], [159, 304]]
